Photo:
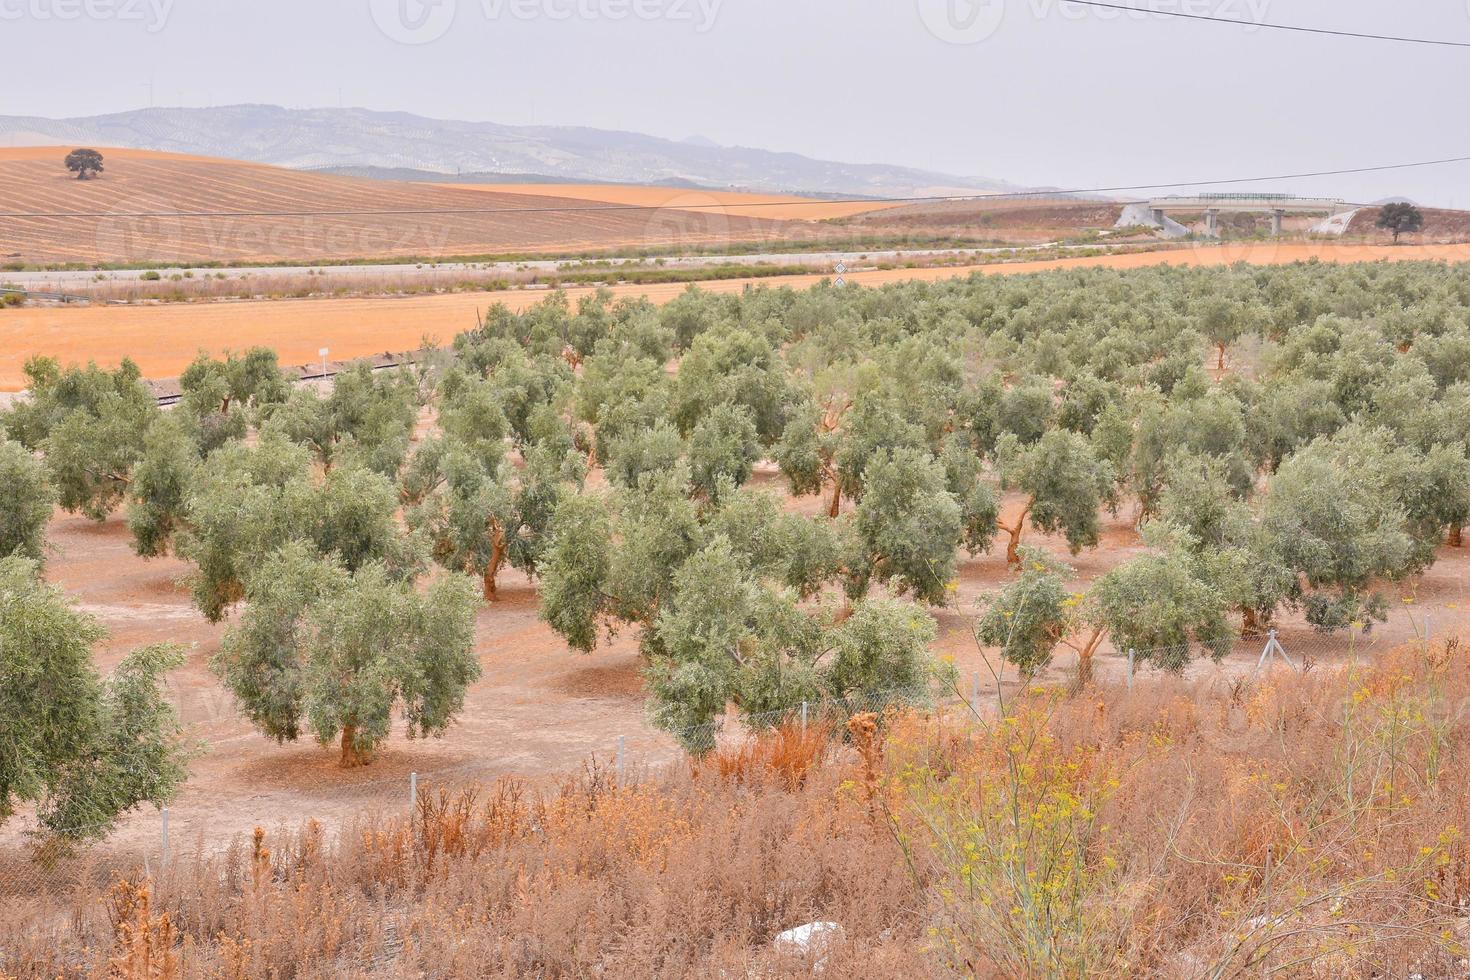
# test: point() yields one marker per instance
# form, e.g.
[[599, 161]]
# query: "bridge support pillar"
[[1158, 216], [1212, 222], [1276, 217]]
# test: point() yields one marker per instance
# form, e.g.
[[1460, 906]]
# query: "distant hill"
[[351, 139], [475, 177]]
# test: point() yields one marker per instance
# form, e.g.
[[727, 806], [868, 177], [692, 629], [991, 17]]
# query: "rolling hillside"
[[33, 180]]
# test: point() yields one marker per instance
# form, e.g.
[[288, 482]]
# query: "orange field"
[[33, 180], [163, 339], [785, 207]]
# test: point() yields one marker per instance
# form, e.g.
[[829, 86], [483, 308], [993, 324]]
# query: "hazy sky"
[[1033, 91]]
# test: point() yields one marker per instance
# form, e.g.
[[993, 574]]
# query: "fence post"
[[163, 841], [974, 688], [413, 790], [622, 755], [1130, 668], [803, 716], [1427, 633]]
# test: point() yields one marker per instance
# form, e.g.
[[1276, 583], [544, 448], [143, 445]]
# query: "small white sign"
[[839, 281], [840, 268]]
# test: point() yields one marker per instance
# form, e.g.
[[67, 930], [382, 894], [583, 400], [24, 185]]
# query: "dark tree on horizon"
[[1400, 217], [84, 163]]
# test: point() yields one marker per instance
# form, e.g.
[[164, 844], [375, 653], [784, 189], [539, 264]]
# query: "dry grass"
[[786, 754], [1298, 826]]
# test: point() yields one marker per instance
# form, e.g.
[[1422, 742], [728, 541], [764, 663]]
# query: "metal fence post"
[[163, 841], [413, 790], [803, 716], [1130, 668]]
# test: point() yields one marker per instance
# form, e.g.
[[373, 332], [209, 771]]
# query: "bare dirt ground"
[[164, 339], [785, 207], [1020, 221]]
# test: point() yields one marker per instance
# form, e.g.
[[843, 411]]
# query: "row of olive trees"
[[911, 411], [300, 521]]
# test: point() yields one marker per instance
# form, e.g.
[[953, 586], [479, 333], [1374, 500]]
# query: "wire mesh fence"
[[199, 824]]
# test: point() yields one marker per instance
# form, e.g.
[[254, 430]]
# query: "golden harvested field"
[[163, 339], [33, 180], [785, 207]]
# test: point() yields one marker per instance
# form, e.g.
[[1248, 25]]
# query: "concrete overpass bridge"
[[1277, 206]]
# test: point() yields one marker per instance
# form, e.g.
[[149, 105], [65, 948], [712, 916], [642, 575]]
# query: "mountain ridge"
[[332, 139]]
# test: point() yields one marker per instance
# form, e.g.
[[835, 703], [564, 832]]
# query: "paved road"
[[73, 279]]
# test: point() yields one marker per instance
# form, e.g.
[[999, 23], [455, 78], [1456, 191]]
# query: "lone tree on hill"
[[86, 164], [1400, 217]]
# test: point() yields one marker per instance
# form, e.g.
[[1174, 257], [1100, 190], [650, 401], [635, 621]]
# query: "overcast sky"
[[1032, 91]]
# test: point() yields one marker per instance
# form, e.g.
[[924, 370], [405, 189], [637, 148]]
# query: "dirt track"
[[163, 339]]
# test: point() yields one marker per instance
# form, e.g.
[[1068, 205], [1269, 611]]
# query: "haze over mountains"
[[365, 142]]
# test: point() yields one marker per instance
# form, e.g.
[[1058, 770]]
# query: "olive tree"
[[733, 366], [1160, 604], [90, 426], [724, 447], [477, 520], [611, 558], [651, 450], [1029, 616], [83, 749], [26, 502], [331, 652], [222, 396], [367, 417], [160, 486], [908, 526], [826, 443], [244, 502], [1064, 484], [1339, 533], [729, 637]]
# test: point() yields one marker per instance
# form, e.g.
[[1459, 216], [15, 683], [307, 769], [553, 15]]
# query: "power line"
[[1273, 27], [599, 208]]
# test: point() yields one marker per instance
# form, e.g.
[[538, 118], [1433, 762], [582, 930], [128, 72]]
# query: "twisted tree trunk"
[[497, 558], [352, 757], [1013, 546]]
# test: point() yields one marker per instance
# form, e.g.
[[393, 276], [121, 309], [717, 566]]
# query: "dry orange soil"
[[163, 339], [783, 206]]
